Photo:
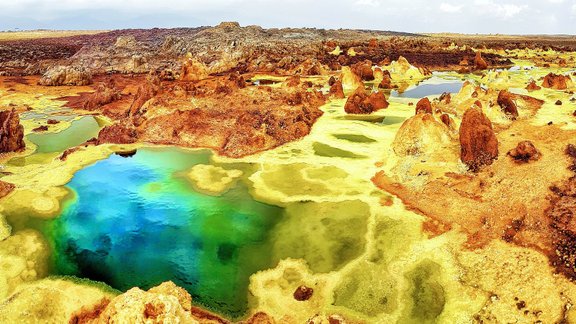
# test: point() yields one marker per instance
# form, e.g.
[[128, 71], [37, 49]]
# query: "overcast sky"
[[472, 16]]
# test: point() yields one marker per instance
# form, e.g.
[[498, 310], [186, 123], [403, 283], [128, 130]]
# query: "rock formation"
[[361, 103], [192, 69], [423, 106], [556, 81], [479, 62], [166, 303], [478, 142], [5, 188], [363, 70], [532, 86], [11, 132], [117, 134], [219, 113], [66, 76], [524, 152], [104, 94], [445, 98], [350, 80], [336, 90], [386, 82], [145, 92], [421, 134], [507, 104]]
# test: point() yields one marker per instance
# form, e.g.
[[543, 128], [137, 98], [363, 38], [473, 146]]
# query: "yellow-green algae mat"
[[362, 252]]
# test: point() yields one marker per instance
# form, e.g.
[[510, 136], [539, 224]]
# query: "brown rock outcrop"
[[478, 142], [104, 94], [386, 82], [336, 90], [446, 120], [524, 152], [144, 93], [361, 103], [445, 98], [364, 70], [166, 303], [193, 70], [423, 106], [11, 132], [556, 81], [5, 188], [507, 104], [117, 134], [66, 76], [260, 318], [479, 62], [532, 86], [42, 128], [224, 115]]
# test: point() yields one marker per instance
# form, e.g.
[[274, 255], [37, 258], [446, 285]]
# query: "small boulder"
[[524, 152], [42, 128], [558, 103], [532, 86], [303, 293]]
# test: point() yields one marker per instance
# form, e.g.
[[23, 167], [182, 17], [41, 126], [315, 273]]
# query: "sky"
[[420, 16]]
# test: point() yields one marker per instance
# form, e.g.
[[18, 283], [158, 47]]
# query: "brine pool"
[[429, 88], [80, 131], [137, 221]]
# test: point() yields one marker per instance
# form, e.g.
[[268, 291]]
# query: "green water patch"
[[137, 221], [382, 120], [326, 150], [327, 235], [79, 132], [38, 158], [369, 289], [354, 138], [275, 177], [427, 294], [366, 118]]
